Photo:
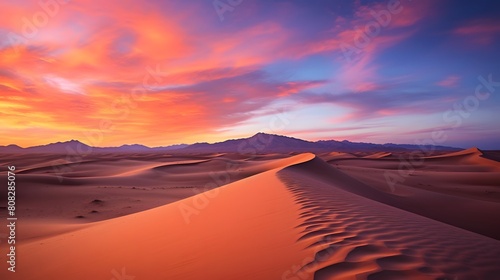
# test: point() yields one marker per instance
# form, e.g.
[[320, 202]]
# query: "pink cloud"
[[449, 82], [357, 42], [482, 32]]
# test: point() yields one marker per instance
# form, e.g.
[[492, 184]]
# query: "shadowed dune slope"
[[441, 202]]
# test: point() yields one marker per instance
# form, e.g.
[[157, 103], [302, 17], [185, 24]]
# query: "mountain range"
[[258, 143]]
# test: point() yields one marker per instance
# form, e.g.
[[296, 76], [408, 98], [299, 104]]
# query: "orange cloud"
[[80, 70], [163, 72]]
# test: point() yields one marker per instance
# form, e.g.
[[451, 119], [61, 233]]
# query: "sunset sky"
[[165, 72]]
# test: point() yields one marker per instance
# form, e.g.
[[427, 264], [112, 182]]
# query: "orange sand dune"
[[104, 186], [472, 156], [299, 219], [466, 152], [336, 156], [379, 155], [244, 230]]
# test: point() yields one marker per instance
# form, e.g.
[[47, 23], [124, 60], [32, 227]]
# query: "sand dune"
[[125, 184], [355, 236], [467, 152], [379, 155], [336, 156], [471, 157], [227, 216], [232, 235], [439, 184]]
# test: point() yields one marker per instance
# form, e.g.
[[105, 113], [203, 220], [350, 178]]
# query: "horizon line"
[[229, 139]]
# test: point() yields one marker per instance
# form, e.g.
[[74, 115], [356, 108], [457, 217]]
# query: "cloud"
[[211, 75], [449, 82], [227, 100], [213, 78], [479, 31], [64, 85], [391, 101], [357, 41]]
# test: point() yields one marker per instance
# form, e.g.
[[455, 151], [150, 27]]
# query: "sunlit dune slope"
[[244, 230]]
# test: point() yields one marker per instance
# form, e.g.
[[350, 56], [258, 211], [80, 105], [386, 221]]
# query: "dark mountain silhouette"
[[11, 149], [59, 147], [270, 143], [77, 147], [258, 143]]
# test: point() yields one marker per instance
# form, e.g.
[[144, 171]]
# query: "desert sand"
[[274, 216]]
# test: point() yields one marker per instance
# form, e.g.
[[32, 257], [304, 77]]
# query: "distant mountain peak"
[[13, 146], [260, 142], [72, 141], [265, 134], [134, 145]]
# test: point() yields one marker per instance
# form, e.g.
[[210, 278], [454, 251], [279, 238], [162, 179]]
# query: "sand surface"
[[279, 216]]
